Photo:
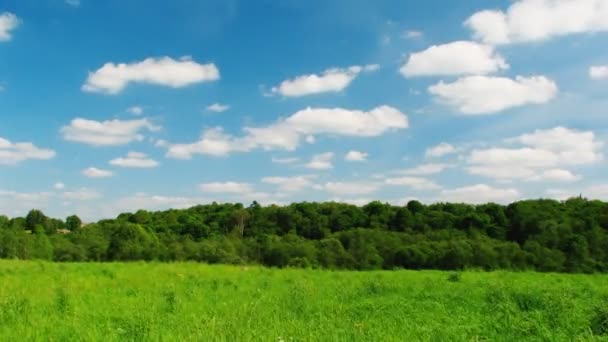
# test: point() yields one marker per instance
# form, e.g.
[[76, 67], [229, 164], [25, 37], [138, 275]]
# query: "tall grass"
[[186, 301]]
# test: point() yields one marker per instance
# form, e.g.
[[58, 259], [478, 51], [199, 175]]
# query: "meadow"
[[191, 301]]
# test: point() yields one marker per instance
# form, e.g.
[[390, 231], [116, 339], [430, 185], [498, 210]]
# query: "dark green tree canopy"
[[545, 235]]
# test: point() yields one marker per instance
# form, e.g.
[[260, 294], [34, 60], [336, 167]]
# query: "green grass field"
[[187, 301]]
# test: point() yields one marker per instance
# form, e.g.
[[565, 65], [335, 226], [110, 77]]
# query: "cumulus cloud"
[[227, 188], [541, 155], [93, 172], [106, 133], [599, 72], [479, 194], [135, 160], [440, 150], [14, 153], [356, 156], [322, 161], [287, 133], [8, 22], [218, 107], [456, 58], [476, 95], [536, 20], [331, 80], [113, 78], [59, 186], [556, 175]]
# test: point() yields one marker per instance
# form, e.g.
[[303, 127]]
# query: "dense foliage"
[[544, 235]]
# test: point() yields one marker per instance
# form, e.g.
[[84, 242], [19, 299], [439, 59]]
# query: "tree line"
[[542, 235]]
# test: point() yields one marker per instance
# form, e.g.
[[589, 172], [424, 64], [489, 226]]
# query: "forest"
[[539, 235]]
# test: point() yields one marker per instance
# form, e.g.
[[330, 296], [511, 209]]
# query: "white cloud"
[[440, 150], [331, 80], [135, 160], [288, 160], [227, 187], [536, 20], [412, 34], [321, 161], [350, 188], [571, 146], [82, 194], [356, 156], [136, 110], [418, 183], [218, 107], [287, 133], [474, 95], [14, 153], [8, 22], [291, 184], [480, 193], [456, 58], [106, 133], [59, 186], [113, 78], [424, 169], [557, 175], [599, 72], [541, 156], [93, 172]]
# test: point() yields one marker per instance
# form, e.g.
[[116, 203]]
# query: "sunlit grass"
[[188, 301]]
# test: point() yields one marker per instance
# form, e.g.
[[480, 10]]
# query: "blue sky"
[[112, 106]]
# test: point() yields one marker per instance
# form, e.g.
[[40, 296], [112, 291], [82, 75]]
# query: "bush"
[[454, 277]]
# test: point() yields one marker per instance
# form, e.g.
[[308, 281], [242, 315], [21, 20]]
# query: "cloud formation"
[[331, 80], [322, 161], [14, 153], [135, 160], [286, 134], [456, 58], [8, 22], [93, 172], [227, 188], [440, 150], [113, 78], [479, 194], [477, 95], [356, 156], [599, 72], [218, 107], [541, 155], [536, 20], [106, 133]]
